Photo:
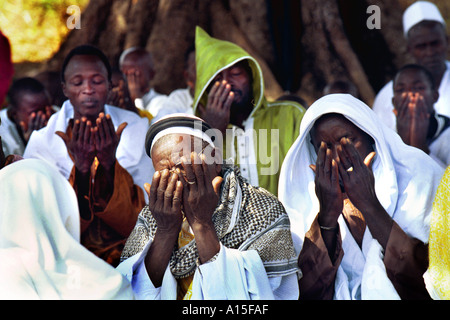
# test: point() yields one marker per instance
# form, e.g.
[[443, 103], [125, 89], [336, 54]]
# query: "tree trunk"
[[301, 45]]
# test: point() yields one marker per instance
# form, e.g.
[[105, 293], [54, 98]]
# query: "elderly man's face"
[[86, 85], [168, 154], [428, 44]]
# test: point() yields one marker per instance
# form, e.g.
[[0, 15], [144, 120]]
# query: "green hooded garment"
[[271, 128]]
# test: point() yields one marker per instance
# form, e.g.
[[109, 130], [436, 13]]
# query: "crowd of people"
[[215, 192]]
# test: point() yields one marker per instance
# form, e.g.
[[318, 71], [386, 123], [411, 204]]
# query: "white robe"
[[383, 106], [45, 144], [151, 102], [40, 253], [233, 275], [178, 101], [406, 180]]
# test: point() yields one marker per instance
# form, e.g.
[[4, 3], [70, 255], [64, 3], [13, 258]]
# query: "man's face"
[[428, 45], [133, 63], [332, 128], [168, 155], [86, 85], [28, 103], [413, 81], [239, 79]]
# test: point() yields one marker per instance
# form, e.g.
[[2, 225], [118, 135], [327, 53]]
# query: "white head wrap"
[[420, 11], [195, 131], [406, 180]]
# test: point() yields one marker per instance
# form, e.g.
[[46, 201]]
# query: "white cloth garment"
[[178, 101], [11, 141], [383, 106], [40, 253], [420, 11], [406, 180], [440, 148], [45, 144], [242, 277], [151, 101]]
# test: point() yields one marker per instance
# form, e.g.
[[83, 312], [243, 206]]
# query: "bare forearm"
[[379, 223], [207, 242], [158, 256]]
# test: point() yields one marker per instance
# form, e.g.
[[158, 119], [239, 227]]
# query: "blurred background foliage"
[[35, 28]]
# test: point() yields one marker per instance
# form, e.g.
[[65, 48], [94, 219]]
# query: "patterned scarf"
[[246, 218]]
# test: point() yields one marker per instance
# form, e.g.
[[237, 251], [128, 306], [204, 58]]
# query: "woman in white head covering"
[[360, 220], [40, 253]]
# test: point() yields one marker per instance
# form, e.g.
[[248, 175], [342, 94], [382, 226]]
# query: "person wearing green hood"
[[229, 95]]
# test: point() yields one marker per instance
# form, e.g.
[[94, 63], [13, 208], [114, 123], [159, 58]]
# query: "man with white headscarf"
[[425, 33], [40, 251], [206, 233], [360, 220]]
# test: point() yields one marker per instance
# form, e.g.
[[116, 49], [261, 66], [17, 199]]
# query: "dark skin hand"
[[359, 187], [413, 120], [36, 121], [217, 110], [169, 194], [88, 142]]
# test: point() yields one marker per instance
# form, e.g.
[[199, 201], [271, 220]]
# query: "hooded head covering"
[[406, 180], [40, 253], [418, 12], [271, 127], [212, 57]]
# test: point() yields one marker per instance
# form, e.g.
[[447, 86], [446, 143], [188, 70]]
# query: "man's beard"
[[241, 108]]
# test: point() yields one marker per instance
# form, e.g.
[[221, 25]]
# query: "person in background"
[[180, 100], [229, 95], [119, 95], [137, 66], [418, 124], [99, 149], [29, 110], [427, 41]]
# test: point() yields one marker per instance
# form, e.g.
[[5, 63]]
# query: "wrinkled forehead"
[[174, 146]]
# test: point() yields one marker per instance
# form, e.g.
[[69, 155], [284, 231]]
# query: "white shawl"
[[40, 253], [45, 144], [406, 180]]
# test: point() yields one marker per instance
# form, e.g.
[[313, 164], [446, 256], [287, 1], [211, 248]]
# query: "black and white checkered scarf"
[[259, 222]]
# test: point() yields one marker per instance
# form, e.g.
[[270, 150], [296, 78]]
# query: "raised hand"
[[134, 81], [36, 121], [81, 146], [106, 140], [403, 114], [356, 174], [359, 185], [327, 186], [217, 110], [420, 121], [200, 198], [165, 196]]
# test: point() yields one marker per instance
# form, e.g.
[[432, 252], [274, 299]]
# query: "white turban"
[[418, 12]]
